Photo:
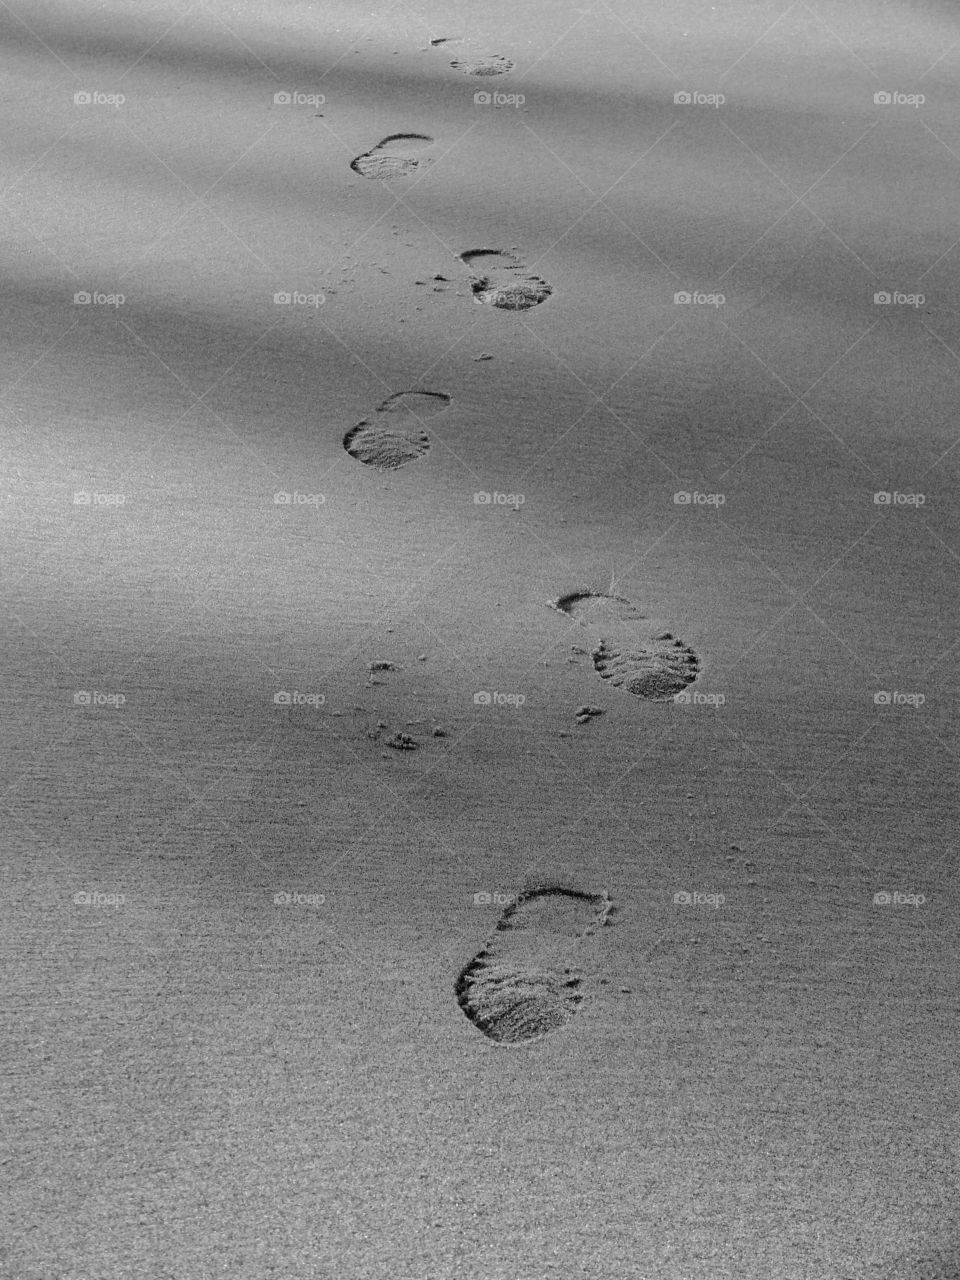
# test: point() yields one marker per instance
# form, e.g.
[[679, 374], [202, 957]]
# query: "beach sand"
[[322, 616]]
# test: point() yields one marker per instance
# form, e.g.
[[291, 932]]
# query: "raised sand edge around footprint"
[[394, 437], [394, 156]]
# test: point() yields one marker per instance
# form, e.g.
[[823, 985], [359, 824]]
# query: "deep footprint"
[[494, 65], [523, 985], [397, 156], [598, 609], [396, 436], [500, 279], [656, 669]]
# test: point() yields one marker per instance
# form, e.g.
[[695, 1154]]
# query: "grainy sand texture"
[[478, 491]]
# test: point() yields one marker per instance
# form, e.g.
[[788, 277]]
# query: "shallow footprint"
[[598, 609], [501, 280], [655, 669], [523, 985], [396, 156], [493, 65], [395, 436]]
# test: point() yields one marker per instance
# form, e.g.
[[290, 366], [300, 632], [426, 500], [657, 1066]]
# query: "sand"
[[412, 450]]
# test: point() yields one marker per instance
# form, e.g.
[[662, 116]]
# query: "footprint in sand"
[[396, 435], [495, 64], [397, 156], [654, 667], [524, 983], [502, 280], [598, 609], [491, 64]]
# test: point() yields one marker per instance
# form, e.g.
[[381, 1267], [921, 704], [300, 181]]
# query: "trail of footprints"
[[525, 983]]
